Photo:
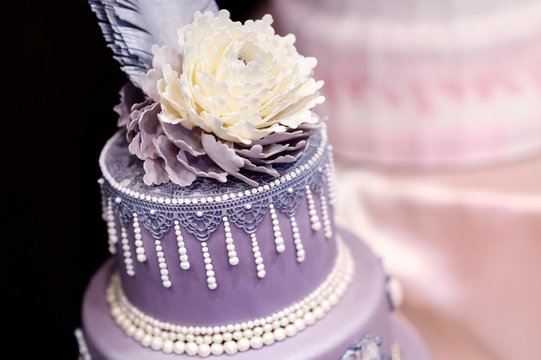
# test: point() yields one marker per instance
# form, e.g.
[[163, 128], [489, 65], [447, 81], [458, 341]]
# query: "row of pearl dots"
[[395, 352], [211, 280], [331, 177], [258, 259], [301, 255], [182, 252], [164, 272], [84, 353], [139, 249], [314, 219], [231, 252], [325, 214], [278, 239], [174, 201], [111, 226], [232, 338], [103, 201], [128, 261]]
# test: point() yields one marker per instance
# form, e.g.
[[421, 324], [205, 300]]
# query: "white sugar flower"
[[239, 82], [238, 99]]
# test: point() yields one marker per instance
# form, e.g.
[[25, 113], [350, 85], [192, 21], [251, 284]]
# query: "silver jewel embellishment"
[[368, 348]]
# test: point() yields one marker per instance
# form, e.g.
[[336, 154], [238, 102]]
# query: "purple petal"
[[129, 95], [185, 139], [202, 166], [264, 169], [176, 171], [150, 129], [154, 172], [225, 157]]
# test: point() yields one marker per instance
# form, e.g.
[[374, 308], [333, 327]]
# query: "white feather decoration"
[[131, 27]]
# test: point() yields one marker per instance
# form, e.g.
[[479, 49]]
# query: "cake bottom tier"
[[355, 316]]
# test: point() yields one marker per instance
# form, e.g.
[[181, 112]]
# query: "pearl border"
[[231, 338], [293, 173]]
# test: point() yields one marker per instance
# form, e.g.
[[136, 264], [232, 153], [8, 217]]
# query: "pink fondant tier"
[[362, 310], [465, 246], [420, 84]]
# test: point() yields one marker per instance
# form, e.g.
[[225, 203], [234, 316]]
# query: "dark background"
[[61, 86]]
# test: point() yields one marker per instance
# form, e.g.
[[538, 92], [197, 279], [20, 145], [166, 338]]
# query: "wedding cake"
[[219, 196]]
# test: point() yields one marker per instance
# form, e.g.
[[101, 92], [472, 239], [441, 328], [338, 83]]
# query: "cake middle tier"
[[217, 253]]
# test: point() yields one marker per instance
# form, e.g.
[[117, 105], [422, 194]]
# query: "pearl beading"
[[231, 338], [111, 226], [278, 239], [258, 259], [182, 251], [164, 272], [139, 248], [326, 220], [231, 252], [103, 202], [128, 261], [314, 219], [211, 280], [299, 248], [395, 352], [84, 353], [331, 177]]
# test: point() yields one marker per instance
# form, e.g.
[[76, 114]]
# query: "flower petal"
[[154, 172], [225, 157], [177, 171]]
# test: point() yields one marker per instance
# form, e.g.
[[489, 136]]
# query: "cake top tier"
[[125, 173], [207, 201]]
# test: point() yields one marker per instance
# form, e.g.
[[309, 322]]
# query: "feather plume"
[[131, 27]]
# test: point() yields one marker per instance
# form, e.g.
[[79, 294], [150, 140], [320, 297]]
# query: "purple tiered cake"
[[221, 225]]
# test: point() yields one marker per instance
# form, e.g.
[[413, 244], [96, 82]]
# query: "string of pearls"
[[314, 219], [101, 181], [231, 253], [278, 239], [331, 177], [164, 272], [111, 226], [325, 214], [258, 259], [139, 248], [128, 261], [395, 352], [182, 252], [231, 338], [211, 280], [301, 255]]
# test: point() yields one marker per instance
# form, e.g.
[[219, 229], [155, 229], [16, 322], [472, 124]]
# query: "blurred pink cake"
[[423, 84]]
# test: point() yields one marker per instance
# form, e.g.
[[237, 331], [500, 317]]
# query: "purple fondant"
[[240, 295], [363, 309]]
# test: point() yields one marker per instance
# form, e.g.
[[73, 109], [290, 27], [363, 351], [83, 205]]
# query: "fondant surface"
[[364, 309]]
